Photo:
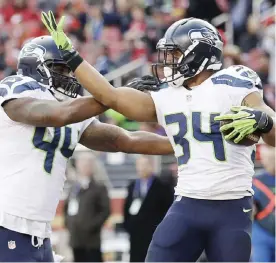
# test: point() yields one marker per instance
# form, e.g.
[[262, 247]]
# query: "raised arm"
[[45, 113], [133, 104], [109, 138]]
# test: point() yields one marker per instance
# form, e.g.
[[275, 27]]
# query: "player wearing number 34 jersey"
[[39, 130], [212, 209]]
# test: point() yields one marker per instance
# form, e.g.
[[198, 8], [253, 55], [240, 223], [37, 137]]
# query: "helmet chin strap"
[[58, 95], [173, 80], [177, 80]]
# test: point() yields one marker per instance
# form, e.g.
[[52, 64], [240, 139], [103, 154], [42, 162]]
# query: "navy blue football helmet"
[[40, 59], [198, 46]]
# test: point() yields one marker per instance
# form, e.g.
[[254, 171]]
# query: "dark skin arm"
[[109, 138], [133, 104], [254, 100], [46, 113]]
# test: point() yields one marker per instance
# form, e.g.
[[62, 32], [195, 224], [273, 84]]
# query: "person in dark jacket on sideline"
[[146, 204], [86, 210]]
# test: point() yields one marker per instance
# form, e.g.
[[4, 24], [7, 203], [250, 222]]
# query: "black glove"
[[146, 83]]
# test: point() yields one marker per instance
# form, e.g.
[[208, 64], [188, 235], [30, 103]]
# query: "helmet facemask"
[[167, 68], [179, 65], [59, 78]]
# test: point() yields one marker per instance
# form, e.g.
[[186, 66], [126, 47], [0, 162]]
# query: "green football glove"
[[63, 43], [245, 121], [56, 30]]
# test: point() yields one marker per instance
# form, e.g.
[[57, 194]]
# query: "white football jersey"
[[33, 160], [208, 166]]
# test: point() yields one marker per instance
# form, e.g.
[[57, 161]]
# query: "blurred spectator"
[[258, 60], [250, 39], [47, 5], [146, 204], [239, 11], [133, 49], [263, 233], [207, 9], [123, 8], [232, 55], [138, 24], [104, 64], [156, 28], [76, 20], [95, 23], [11, 61], [16, 11], [86, 210], [2, 53]]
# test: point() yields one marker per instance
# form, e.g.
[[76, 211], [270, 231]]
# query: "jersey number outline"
[[214, 136], [50, 147]]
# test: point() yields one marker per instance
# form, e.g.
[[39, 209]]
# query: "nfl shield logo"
[[11, 245], [189, 97]]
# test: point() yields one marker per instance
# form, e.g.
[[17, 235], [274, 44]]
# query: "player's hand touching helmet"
[[63, 43], [146, 83], [245, 121]]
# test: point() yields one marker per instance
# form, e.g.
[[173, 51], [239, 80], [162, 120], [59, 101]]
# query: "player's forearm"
[[255, 101], [78, 110], [148, 143], [133, 104], [40, 113], [269, 138], [96, 84], [45, 113]]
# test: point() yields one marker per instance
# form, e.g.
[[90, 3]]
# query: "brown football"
[[249, 140]]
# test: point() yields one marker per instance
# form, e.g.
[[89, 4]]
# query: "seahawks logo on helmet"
[[33, 50], [203, 35]]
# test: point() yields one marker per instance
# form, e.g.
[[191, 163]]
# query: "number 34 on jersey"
[[189, 130]]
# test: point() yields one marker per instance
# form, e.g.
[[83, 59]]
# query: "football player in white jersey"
[[38, 135], [212, 209]]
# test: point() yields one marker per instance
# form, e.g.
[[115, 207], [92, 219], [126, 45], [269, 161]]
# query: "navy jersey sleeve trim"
[[27, 86], [232, 81], [18, 84], [3, 92]]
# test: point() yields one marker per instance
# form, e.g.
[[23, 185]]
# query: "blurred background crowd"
[[119, 37]]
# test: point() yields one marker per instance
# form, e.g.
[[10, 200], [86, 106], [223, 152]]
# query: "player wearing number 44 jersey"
[[38, 133], [212, 210]]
